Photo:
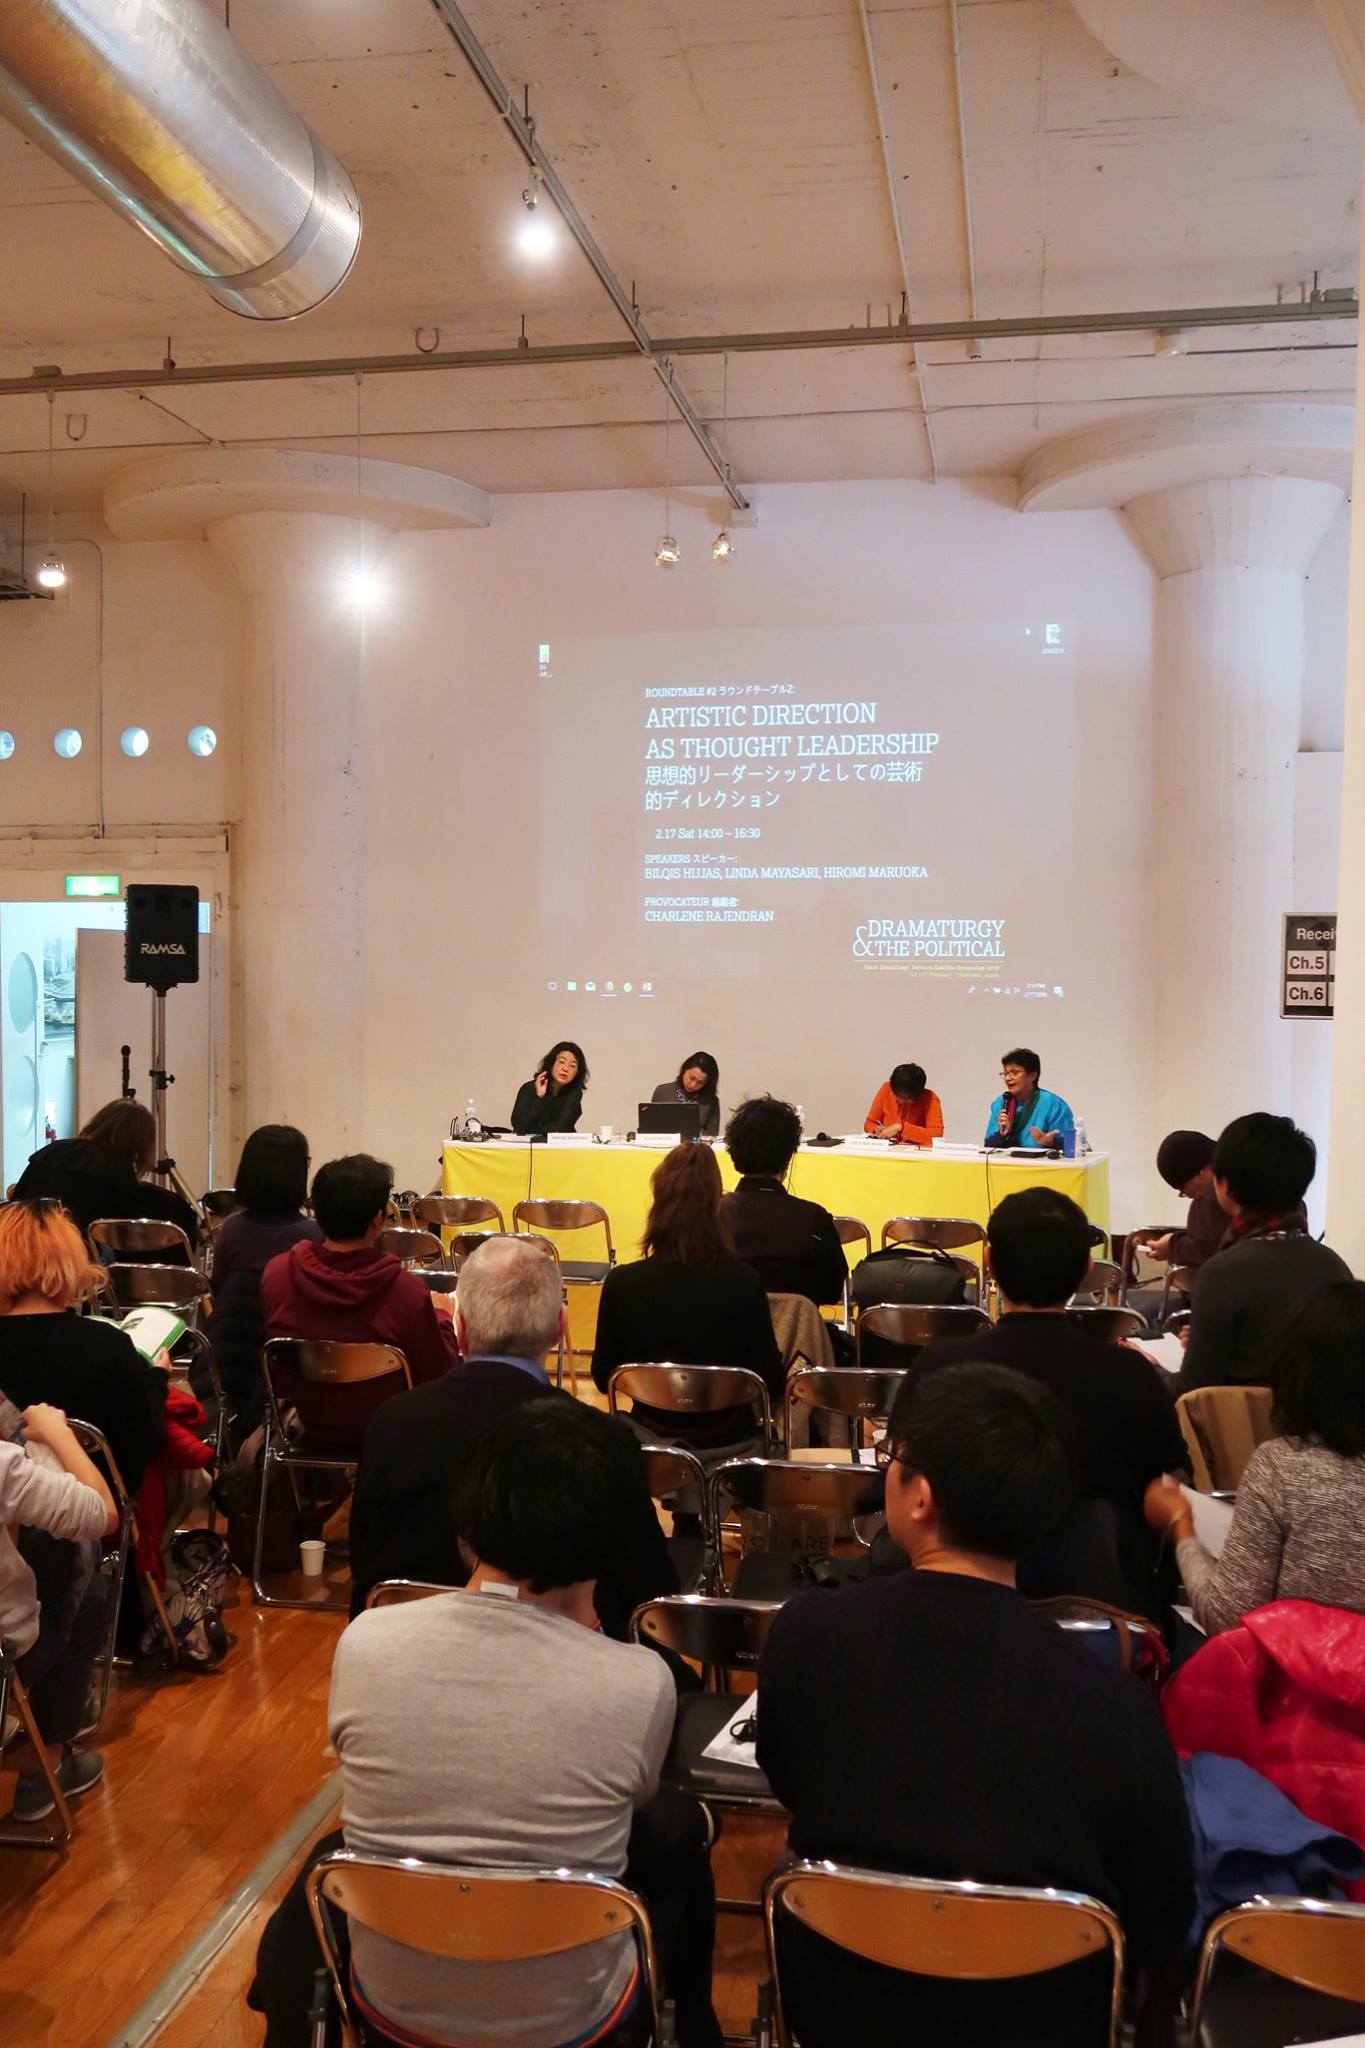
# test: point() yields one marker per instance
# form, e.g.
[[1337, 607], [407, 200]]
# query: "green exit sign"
[[92, 885]]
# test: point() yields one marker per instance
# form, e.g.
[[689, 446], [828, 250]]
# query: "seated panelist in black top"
[[552, 1099], [698, 1080], [792, 1245]]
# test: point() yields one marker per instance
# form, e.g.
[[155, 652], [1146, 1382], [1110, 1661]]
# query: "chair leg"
[[55, 1833], [259, 1594]]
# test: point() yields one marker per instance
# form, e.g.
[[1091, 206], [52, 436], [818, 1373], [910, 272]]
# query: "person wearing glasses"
[[987, 1744], [1024, 1113]]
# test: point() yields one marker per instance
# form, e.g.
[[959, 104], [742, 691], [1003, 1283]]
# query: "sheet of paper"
[[1340, 2041], [723, 1749], [1212, 1519], [1168, 1352]]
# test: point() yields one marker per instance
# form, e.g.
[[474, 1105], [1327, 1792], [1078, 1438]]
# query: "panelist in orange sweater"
[[904, 1110]]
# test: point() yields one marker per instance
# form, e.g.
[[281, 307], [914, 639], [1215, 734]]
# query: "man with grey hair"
[[509, 1314]]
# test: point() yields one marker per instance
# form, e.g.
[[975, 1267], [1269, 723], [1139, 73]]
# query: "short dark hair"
[[544, 1498], [1040, 1247], [762, 1135], [1318, 1375], [580, 1079], [994, 1447], [907, 1081], [1267, 1162], [349, 1193], [272, 1173], [1020, 1056]]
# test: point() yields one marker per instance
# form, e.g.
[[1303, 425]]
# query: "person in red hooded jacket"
[[346, 1288]]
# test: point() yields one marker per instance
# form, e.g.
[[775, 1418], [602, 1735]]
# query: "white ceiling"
[[728, 160]]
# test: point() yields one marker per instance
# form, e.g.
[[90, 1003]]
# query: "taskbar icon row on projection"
[[636, 990]]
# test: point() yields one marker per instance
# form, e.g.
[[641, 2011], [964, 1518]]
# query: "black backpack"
[[918, 1274]]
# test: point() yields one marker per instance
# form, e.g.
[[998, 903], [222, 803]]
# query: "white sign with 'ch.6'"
[[1309, 965]]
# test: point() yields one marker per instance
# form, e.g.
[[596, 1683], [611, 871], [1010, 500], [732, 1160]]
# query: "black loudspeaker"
[[161, 939]]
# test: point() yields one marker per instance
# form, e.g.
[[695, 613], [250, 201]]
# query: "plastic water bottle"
[[1082, 1141], [471, 1127]]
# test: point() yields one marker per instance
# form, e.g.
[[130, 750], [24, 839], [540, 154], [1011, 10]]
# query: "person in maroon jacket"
[[347, 1288]]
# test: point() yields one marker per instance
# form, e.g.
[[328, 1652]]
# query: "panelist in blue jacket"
[[1024, 1113]]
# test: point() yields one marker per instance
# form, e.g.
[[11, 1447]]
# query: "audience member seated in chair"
[[497, 1725], [688, 1301], [1123, 1423], [50, 1353], [1243, 1297], [47, 1483], [1296, 1530], [508, 1316], [271, 1186], [102, 1173], [792, 1245], [346, 1288], [931, 1723], [1184, 1160]]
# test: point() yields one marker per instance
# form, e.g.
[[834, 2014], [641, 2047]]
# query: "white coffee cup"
[[606, 1133], [311, 1553]]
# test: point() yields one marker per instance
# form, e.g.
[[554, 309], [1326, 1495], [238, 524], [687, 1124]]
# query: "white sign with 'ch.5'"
[[1308, 967]]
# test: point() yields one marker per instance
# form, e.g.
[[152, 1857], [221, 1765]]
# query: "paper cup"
[[607, 1133], [311, 1553]]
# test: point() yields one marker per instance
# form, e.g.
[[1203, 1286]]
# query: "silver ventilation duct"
[[154, 106]]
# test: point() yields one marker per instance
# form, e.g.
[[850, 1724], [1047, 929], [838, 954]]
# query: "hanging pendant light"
[[52, 569], [667, 552]]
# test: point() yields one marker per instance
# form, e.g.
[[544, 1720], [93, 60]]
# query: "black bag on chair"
[[917, 1274]]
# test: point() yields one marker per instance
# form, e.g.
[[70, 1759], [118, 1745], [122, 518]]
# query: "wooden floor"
[[203, 1775]]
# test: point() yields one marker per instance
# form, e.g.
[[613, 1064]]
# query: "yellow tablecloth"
[[897, 1182]]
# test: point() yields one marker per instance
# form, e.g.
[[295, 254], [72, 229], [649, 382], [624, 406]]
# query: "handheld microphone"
[[1007, 1109]]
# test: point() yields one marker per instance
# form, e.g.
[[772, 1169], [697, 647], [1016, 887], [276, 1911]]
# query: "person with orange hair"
[[49, 1353]]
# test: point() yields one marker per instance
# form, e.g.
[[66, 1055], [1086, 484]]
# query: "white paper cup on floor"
[[311, 1553], [607, 1133]]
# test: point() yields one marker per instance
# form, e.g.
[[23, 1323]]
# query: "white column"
[[1231, 555], [298, 852]]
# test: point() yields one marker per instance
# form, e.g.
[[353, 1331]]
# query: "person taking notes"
[[1024, 1113], [904, 1109]]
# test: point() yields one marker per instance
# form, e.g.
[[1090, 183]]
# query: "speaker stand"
[[165, 1170]]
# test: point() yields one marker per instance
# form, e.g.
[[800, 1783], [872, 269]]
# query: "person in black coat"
[[271, 1186], [99, 1173], [697, 1081], [509, 1315], [688, 1301], [552, 1099], [792, 1245]]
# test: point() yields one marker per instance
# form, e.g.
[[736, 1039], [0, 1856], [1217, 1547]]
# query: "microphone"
[[1007, 1109]]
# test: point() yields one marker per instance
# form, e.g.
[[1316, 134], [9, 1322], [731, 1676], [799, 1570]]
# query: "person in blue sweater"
[[1025, 1114]]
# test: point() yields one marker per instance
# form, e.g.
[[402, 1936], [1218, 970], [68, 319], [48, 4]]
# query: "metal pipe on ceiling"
[[156, 108], [896, 335], [655, 354]]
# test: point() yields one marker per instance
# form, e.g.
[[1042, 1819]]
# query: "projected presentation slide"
[[851, 807]]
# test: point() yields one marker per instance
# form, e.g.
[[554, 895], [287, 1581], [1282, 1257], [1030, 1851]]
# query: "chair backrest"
[[467, 1914], [148, 1286], [325, 1361], [852, 1230], [438, 1279], [948, 1233], [975, 1932], [96, 1447], [1222, 1426], [913, 1324], [219, 1202], [1137, 1265], [1178, 1287], [466, 1241], [412, 1247], [1314, 1943], [728, 1634], [397, 1592], [775, 1486], [691, 1389], [1107, 1325], [1126, 1642], [1104, 1282], [125, 1235], [843, 1390], [668, 1469], [455, 1212], [548, 1215]]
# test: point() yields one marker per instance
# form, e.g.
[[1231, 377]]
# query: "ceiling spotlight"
[[52, 572], [537, 238], [722, 547], [667, 553]]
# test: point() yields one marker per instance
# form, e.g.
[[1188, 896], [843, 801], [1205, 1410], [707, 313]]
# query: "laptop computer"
[[683, 1119]]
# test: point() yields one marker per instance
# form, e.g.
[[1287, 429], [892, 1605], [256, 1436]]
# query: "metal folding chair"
[[321, 1363], [1126, 1642], [118, 1550], [1178, 1289], [398, 1592], [1107, 1325], [1103, 1286], [890, 1334], [1301, 1975], [466, 1913], [695, 1558], [831, 1493], [55, 1832], [411, 1247], [939, 1929], [692, 1390], [1222, 1426], [181, 1288], [862, 1393], [852, 1230], [725, 1637], [455, 1212], [943, 1233], [136, 1237]]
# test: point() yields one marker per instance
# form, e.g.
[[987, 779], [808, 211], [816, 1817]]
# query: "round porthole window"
[[134, 741], [202, 740], [67, 743], [6, 745]]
